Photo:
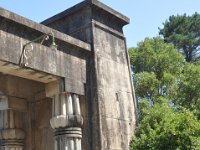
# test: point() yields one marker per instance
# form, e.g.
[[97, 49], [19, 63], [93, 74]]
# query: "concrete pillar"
[[76, 104], [11, 128], [11, 134], [67, 121], [69, 105]]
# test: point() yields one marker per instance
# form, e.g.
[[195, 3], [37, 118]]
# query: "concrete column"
[[76, 104], [11, 134], [67, 121], [69, 105]]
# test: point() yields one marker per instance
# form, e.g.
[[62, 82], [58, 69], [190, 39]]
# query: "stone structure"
[[65, 84]]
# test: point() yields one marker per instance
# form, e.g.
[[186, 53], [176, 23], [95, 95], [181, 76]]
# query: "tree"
[[184, 32], [188, 89], [164, 128], [155, 66], [167, 90]]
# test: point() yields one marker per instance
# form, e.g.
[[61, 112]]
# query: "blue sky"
[[145, 15]]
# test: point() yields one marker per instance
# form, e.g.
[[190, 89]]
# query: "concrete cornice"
[[111, 11], [94, 3]]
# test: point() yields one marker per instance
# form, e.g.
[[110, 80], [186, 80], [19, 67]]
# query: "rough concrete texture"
[[111, 110], [91, 59], [34, 120], [69, 64], [114, 89]]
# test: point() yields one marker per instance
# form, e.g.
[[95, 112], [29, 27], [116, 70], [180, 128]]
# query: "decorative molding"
[[12, 137], [64, 121], [67, 121], [12, 134]]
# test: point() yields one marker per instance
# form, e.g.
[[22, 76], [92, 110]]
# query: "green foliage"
[[184, 32], [188, 88], [147, 84], [168, 93], [164, 128], [155, 66], [153, 55]]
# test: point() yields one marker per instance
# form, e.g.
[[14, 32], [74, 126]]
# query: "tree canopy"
[[184, 32], [167, 90], [164, 128], [156, 66], [188, 89]]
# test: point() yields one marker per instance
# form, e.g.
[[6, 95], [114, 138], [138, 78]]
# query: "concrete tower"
[[81, 88]]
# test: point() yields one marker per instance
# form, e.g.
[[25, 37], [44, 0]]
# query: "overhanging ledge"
[[95, 4]]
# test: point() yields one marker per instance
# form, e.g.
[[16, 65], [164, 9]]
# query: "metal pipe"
[[43, 37]]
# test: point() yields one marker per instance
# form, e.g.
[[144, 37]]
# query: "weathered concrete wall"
[[72, 23], [34, 118], [43, 134], [110, 97], [68, 61], [92, 61], [114, 89]]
